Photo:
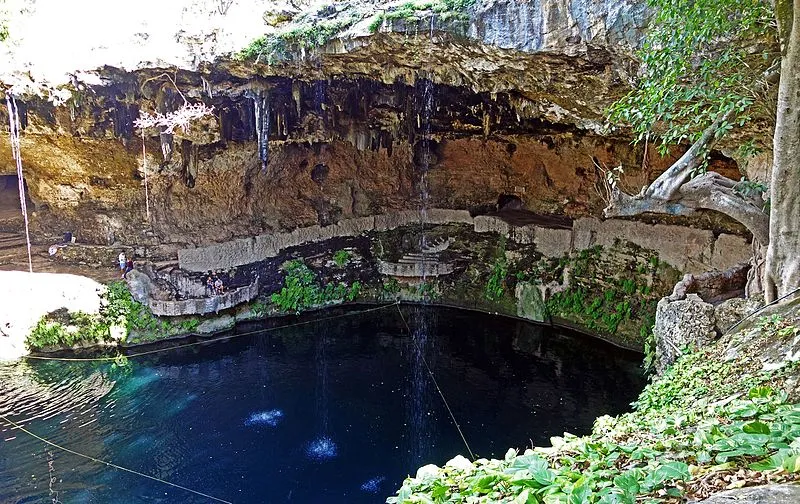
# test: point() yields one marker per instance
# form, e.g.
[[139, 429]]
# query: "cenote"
[[334, 410]]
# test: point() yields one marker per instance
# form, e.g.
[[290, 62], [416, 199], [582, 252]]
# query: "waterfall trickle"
[[323, 447], [424, 105], [420, 420], [14, 129]]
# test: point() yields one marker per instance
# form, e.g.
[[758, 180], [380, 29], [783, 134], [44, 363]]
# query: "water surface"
[[336, 411]]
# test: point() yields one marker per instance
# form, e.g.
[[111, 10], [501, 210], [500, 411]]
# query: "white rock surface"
[[26, 297]]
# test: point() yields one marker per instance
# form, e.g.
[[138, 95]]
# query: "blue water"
[[335, 411]]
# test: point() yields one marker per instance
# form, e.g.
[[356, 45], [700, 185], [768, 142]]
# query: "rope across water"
[[435, 383], [228, 337]]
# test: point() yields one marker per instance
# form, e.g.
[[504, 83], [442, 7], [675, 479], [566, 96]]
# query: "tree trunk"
[[782, 269]]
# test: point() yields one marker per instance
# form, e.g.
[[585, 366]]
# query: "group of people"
[[214, 284], [125, 264]]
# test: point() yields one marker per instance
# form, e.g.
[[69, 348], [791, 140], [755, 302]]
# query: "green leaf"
[[756, 428]]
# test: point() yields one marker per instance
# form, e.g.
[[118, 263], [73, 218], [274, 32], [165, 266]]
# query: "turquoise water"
[[332, 411]]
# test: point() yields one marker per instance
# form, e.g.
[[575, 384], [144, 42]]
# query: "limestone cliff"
[[452, 108]]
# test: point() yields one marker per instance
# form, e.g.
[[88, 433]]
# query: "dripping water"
[[322, 447], [14, 129], [421, 420]]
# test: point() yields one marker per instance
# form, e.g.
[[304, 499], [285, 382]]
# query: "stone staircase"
[[437, 246], [420, 264]]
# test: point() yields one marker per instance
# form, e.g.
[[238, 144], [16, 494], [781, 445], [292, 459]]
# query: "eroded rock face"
[[337, 150], [565, 26], [768, 494], [688, 322]]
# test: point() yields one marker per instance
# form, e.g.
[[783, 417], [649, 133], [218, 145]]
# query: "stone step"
[[405, 260], [439, 245], [422, 256]]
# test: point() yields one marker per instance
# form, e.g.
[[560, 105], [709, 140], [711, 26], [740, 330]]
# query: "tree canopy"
[[700, 60], [705, 63]]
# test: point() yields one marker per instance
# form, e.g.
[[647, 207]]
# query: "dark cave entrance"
[[9, 198]]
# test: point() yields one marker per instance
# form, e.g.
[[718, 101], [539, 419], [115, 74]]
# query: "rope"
[[144, 170], [433, 378], [734, 326], [109, 464], [13, 134], [206, 341]]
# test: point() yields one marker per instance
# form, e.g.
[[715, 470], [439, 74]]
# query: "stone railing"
[[203, 306]]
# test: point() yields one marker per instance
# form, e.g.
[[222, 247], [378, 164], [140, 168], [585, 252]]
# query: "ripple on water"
[[322, 449], [269, 418], [373, 485]]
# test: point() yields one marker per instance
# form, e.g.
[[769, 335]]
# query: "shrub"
[[341, 257], [301, 290]]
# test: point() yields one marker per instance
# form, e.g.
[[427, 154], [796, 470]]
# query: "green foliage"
[[298, 37], [749, 188], [341, 257], [606, 305], [117, 308], [497, 279], [496, 284], [391, 286], [413, 11], [605, 312], [778, 326], [698, 63], [189, 325], [301, 290], [259, 309], [427, 291], [82, 328]]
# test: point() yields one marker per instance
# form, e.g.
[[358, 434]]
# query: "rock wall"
[[337, 149], [687, 250]]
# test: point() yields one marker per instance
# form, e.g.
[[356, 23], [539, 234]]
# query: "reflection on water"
[[335, 411]]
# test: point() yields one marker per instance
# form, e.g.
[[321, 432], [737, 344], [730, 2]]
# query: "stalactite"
[[189, 162], [166, 146], [297, 97], [262, 116], [14, 129], [123, 120]]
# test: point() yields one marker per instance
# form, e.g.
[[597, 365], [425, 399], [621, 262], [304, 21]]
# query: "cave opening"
[[9, 198], [509, 202]]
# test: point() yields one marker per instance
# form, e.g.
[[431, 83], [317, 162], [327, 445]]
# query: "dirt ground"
[[14, 257]]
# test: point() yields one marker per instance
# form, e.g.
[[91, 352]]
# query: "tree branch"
[[665, 186], [710, 191]]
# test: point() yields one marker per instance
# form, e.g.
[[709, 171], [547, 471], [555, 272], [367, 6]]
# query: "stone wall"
[[250, 250], [686, 249]]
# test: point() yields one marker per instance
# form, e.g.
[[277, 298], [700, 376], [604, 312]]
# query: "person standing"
[[128, 267], [122, 262], [209, 285]]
